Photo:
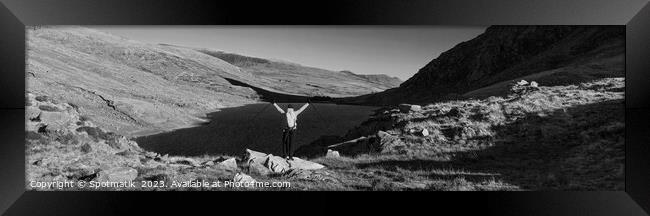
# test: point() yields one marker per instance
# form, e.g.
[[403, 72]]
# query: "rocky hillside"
[[61, 145], [552, 55], [135, 88], [303, 80], [534, 138]]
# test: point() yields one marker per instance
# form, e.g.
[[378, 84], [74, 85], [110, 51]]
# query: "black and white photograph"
[[325, 108]]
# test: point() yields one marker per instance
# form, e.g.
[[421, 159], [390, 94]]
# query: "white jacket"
[[292, 116]]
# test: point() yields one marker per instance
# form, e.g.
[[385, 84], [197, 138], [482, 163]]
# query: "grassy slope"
[[127, 86], [561, 137]]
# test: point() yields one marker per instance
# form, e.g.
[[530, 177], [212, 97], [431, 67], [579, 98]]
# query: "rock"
[[356, 146], [253, 156], [229, 164], [424, 132], [298, 163], [386, 142], [276, 164], [183, 161], [208, 163], [32, 113], [243, 178], [332, 154], [534, 84], [86, 148], [118, 174], [522, 83], [56, 120], [151, 154], [258, 169], [406, 108]]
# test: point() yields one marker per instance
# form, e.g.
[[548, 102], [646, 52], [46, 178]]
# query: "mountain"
[[135, 88], [381, 79], [304, 80], [552, 55]]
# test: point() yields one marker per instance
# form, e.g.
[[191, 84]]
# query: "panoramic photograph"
[[325, 108]]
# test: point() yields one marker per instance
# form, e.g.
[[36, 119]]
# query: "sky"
[[397, 51]]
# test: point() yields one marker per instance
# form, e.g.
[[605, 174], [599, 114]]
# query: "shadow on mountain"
[[255, 126], [581, 148]]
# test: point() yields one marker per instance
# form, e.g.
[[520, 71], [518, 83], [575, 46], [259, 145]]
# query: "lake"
[[255, 126]]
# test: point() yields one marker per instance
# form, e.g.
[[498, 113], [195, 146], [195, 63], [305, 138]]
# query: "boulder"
[[276, 164], [258, 169], [534, 84], [243, 178], [298, 163], [386, 142], [406, 108], [332, 154], [229, 164], [355, 146], [256, 157], [32, 113], [424, 132], [118, 174]]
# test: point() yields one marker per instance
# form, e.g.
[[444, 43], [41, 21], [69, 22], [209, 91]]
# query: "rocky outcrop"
[[257, 161]]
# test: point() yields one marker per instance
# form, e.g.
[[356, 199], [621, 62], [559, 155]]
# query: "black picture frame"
[[634, 14]]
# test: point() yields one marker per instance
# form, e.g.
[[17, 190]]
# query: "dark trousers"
[[287, 139]]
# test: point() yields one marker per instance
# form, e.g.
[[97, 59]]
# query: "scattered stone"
[[49, 108], [534, 84], [406, 108], [41, 98], [522, 83], [118, 174], [86, 148], [151, 154], [243, 178], [229, 164], [332, 154]]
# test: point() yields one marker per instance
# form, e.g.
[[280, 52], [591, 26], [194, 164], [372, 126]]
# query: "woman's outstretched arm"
[[302, 108], [278, 108]]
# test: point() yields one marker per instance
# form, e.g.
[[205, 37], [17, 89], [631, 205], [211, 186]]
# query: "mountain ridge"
[[505, 53]]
